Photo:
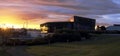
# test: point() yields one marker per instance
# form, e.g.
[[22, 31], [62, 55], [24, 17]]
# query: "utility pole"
[[25, 24]]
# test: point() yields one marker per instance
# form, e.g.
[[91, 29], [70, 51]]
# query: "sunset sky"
[[34, 12]]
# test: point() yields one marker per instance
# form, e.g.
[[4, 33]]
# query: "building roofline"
[[84, 17], [58, 22], [68, 21]]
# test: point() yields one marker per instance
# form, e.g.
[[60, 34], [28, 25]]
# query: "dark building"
[[75, 23], [52, 26], [82, 23]]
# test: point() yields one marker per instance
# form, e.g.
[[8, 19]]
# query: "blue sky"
[[106, 12]]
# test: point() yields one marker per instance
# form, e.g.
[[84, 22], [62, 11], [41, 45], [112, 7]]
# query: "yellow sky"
[[10, 19]]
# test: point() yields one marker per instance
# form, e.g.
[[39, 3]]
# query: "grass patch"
[[3, 52], [104, 45]]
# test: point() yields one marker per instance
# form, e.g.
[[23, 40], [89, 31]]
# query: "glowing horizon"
[[11, 19]]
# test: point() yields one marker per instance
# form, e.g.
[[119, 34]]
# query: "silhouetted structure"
[[82, 23], [77, 23], [115, 27], [52, 26]]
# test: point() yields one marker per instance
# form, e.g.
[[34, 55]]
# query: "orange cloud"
[[10, 19]]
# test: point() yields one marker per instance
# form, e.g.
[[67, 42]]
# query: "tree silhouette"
[[103, 28]]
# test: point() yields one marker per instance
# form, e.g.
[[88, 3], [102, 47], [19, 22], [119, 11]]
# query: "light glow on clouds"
[[40, 11]]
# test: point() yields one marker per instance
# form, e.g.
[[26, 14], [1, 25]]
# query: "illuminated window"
[[44, 29]]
